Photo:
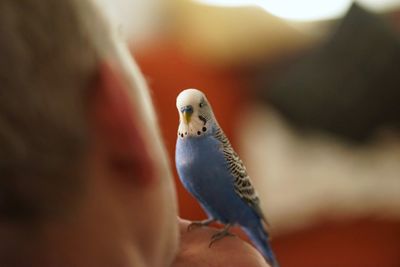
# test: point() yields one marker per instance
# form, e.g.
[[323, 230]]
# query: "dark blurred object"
[[350, 86]]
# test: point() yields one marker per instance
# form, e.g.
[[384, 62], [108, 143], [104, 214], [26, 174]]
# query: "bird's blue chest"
[[204, 172], [202, 167], [198, 159]]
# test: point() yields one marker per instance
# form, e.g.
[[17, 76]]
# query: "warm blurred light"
[[380, 5], [304, 10], [135, 19]]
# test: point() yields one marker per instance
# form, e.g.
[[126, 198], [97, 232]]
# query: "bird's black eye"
[[201, 104]]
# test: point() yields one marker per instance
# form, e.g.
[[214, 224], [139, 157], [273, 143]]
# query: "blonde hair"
[[49, 53], [46, 65]]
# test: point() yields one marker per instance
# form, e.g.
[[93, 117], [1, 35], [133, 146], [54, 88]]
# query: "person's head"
[[82, 166]]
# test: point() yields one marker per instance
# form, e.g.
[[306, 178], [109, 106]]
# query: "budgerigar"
[[213, 173]]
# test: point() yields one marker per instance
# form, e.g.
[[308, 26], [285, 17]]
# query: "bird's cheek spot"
[[198, 132]]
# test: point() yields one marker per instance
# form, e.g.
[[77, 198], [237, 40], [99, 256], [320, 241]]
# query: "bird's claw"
[[219, 235], [197, 224]]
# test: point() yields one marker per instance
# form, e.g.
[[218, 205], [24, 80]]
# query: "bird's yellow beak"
[[187, 116], [187, 112]]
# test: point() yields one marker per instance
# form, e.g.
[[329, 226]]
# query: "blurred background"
[[308, 92]]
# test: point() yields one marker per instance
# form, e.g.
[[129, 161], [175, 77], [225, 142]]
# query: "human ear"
[[115, 127]]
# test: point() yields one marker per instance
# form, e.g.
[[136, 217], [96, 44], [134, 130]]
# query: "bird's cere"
[[187, 112]]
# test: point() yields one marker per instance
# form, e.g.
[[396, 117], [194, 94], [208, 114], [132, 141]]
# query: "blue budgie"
[[213, 173]]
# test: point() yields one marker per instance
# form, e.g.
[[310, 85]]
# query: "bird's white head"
[[195, 114]]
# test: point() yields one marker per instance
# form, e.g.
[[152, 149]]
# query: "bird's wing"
[[242, 183]]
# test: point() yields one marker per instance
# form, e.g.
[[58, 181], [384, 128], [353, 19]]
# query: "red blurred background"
[[356, 242], [222, 52]]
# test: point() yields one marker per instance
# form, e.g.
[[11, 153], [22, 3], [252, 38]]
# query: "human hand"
[[194, 250]]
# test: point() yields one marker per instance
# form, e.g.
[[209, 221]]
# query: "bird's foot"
[[221, 234], [197, 224]]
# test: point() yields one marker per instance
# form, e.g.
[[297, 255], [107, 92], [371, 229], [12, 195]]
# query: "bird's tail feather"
[[260, 239]]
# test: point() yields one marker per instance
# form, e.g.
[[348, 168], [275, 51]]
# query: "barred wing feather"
[[242, 183]]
